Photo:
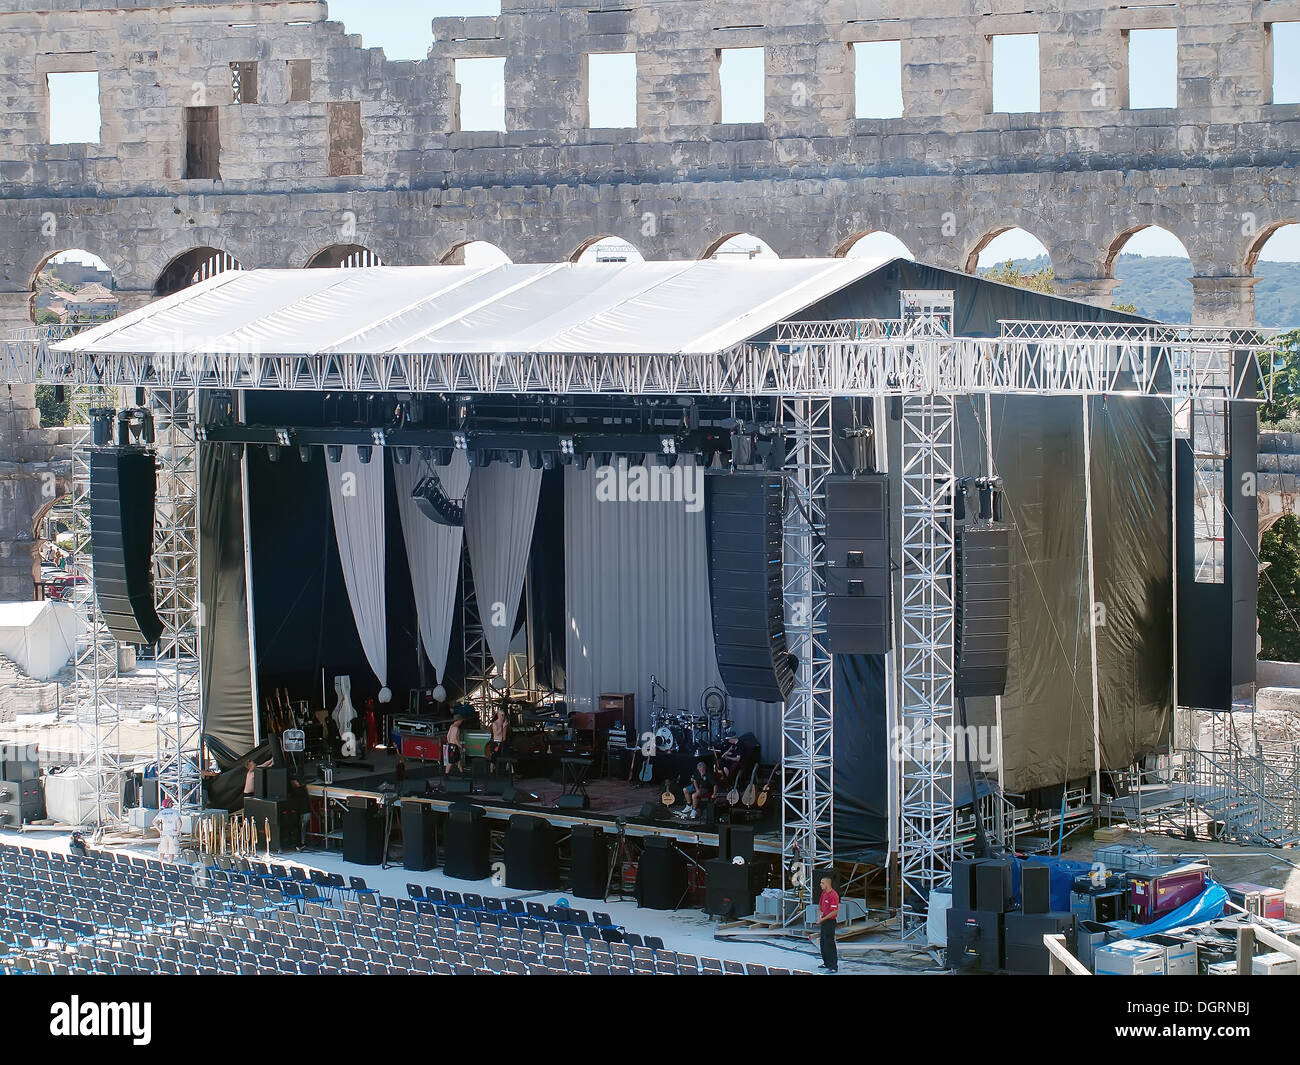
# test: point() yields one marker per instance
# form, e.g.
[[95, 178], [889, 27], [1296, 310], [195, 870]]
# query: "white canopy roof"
[[647, 308], [38, 637]]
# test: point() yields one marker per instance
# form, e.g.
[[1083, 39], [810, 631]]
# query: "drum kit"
[[681, 732]]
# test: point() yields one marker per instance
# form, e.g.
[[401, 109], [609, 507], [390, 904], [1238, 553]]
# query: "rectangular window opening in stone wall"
[[345, 138], [243, 82], [299, 80], [611, 90], [74, 107], [481, 88], [1285, 55], [1016, 73], [741, 73], [202, 144], [878, 79], [1152, 68]]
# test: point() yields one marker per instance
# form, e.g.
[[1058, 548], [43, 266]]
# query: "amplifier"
[[20, 790]]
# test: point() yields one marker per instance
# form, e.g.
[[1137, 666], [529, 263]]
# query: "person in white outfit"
[[168, 824]]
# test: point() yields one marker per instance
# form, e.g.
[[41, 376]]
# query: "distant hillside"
[[1160, 287]]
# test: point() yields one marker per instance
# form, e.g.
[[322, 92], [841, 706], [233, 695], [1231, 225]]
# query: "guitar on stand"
[[766, 793]]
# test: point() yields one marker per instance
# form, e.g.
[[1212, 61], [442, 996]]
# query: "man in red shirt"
[[829, 907]]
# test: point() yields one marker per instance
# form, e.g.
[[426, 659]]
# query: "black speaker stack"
[[745, 593], [983, 608], [588, 862], [467, 841], [660, 875], [985, 932], [419, 852], [532, 854], [857, 563], [286, 823], [22, 797], [363, 842], [123, 485]]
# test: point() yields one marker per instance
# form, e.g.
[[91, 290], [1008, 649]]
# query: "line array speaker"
[[857, 563], [983, 608], [745, 580], [123, 484]]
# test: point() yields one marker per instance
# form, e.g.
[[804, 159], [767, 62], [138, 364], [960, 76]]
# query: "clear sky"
[[403, 28]]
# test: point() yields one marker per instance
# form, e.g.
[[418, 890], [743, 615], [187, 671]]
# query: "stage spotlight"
[[273, 452], [200, 433], [284, 437], [304, 453], [566, 445], [379, 437], [668, 445], [363, 453], [334, 452], [461, 441], [515, 458], [535, 459], [402, 456]]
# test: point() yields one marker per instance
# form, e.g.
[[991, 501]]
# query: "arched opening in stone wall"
[[1014, 256], [52, 533], [607, 249], [348, 256], [877, 245], [188, 268], [739, 247], [1275, 260], [73, 287], [1154, 272], [475, 253]]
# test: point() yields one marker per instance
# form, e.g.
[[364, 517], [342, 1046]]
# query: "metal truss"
[[926, 809], [96, 711], [808, 715], [176, 594], [865, 357]]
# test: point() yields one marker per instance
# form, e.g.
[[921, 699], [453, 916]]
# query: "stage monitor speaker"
[[466, 841], [269, 783], [660, 875], [1035, 888], [532, 854], [736, 841], [572, 802], [653, 811], [286, 826], [459, 786], [963, 883], [745, 585], [983, 609], [419, 852], [727, 889], [857, 563], [589, 862], [993, 886], [363, 842], [360, 802], [123, 486]]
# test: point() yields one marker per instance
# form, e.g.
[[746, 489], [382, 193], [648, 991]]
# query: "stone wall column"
[[1099, 291], [1223, 301]]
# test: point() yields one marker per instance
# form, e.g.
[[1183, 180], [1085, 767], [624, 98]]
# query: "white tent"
[[38, 637], [648, 308]]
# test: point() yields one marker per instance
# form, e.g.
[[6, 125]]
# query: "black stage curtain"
[[227, 686], [544, 589]]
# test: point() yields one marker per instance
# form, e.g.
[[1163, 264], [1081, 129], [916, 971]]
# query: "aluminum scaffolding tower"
[[808, 716], [176, 593], [95, 694]]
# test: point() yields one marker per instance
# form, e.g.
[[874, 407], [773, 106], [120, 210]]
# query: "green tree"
[[53, 412], [1279, 591], [45, 316], [1010, 274], [1286, 381]]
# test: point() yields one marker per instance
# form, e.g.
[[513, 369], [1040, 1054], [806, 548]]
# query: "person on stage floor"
[[250, 775], [701, 788], [500, 733], [829, 913], [454, 739]]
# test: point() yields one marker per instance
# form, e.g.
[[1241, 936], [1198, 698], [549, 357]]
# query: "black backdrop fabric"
[[1038, 451]]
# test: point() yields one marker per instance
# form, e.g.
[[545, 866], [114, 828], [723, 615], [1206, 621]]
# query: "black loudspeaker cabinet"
[[572, 802], [975, 940], [15, 767], [963, 883], [993, 885], [123, 486], [1035, 888], [466, 843], [736, 840], [745, 595], [363, 842], [983, 609], [728, 889], [532, 854], [271, 783], [1023, 939], [24, 791], [149, 793], [660, 875], [857, 563], [589, 862], [286, 823], [419, 851]]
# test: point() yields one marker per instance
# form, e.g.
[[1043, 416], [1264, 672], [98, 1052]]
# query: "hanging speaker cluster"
[[983, 607], [123, 485], [857, 563], [435, 504]]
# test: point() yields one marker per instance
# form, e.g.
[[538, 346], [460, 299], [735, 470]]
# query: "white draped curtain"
[[433, 552], [500, 508], [357, 503]]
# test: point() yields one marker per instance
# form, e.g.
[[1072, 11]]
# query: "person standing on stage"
[[500, 733], [829, 908]]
